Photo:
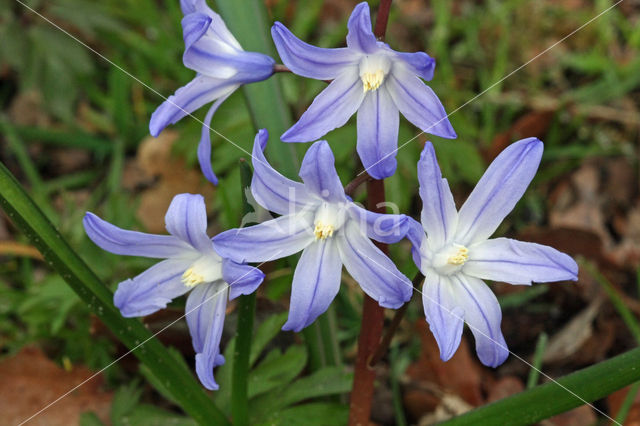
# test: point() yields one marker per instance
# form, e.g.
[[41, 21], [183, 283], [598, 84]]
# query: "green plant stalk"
[[623, 412], [534, 373], [627, 316], [549, 399], [247, 20], [178, 380], [244, 331]]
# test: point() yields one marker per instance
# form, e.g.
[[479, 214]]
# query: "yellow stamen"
[[322, 231], [372, 80], [191, 279], [461, 256]]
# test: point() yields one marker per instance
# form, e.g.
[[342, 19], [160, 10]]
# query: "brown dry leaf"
[[14, 248], [460, 376], [504, 387], [615, 401], [533, 124], [573, 335], [450, 406], [580, 416], [30, 381], [26, 110], [154, 159]]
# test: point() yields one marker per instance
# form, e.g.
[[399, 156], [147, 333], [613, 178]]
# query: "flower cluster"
[[451, 248]]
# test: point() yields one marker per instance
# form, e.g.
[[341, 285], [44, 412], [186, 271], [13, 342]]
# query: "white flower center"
[[373, 70], [329, 218], [206, 269], [450, 259]]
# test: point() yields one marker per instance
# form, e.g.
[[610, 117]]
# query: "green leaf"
[[124, 401], [324, 382], [265, 333], [277, 370], [90, 419], [549, 399], [312, 414], [27, 217], [249, 24], [148, 415]]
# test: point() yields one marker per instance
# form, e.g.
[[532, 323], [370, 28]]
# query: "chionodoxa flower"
[[330, 230], [456, 255], [191, 264], [370, 78], [222, 66]]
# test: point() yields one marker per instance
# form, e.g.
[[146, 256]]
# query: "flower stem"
[[370, 331], [244, 332], [372, 314], [280, 68]]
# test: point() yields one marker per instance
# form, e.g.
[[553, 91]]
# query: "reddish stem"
[[372, 313], [370, 331]]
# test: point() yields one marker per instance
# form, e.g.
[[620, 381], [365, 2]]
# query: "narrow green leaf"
[[278, 370], [27, 217], [549, 399], [312, 414], [248, 21]]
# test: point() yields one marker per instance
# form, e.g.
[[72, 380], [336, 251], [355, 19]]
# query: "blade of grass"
[[248, 22], [549, 399], [27, 217], [534, 373], [627, 316], [244, 330], [623, 412]]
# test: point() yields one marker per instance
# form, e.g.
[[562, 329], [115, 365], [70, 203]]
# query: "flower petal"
[[204, 147], [186, 218], [518, 262], [444, 316], [418, 103], [218, 27], [153, 289], [205, 311], [131, 243], [420, 63], [382, 227], [378, 122], [269, 188], [372, 269], [498, 191], [415, 234], [198, 92], [360, 36], [439, 215], [267, 241], [482, 314], [318, 172], [330, 109], [307, 60], [203, 53], [243, 279], [316, 282]]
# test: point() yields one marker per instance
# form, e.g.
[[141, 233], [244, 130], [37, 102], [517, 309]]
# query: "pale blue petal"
[[153, 289], [186, 218], [443, 314], [316, 282], [205, 312], [330, 109], [372, 269], [272, 190], [378, 122], [518, 262], [243, 279], [385, 228], [482, 314], [307, 60], [439, 215], [498, 191], [198, 92], [204, 54], [267, 241], [360, 36], [217, 27], [420, 63], [418, 103], [131, 243], [415, 234], [318, 172], [204, 147]]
